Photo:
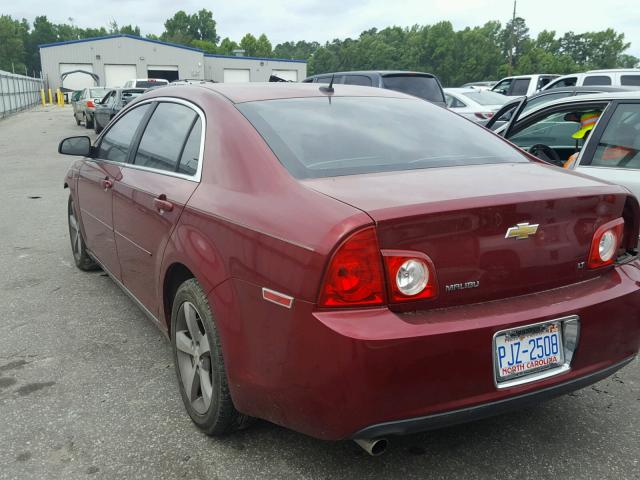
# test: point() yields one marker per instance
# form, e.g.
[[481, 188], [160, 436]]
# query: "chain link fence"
[[18, 92]]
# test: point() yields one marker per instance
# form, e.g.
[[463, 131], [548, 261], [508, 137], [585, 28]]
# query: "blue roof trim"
[[167, 44], [215, 55], [121, 35]]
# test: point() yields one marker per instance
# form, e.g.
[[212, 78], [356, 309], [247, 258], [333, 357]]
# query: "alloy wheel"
[[194, 357], [74, 234]]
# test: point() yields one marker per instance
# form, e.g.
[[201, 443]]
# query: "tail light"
[[484, 115], [411, 276], [355, 278], [354, 275], [605, 244], [90, 104]]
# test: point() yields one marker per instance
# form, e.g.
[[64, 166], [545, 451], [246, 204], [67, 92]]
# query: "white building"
[[110, 61]]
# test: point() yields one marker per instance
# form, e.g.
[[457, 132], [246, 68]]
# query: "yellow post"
[[60, 98], [50, 98], [42, 97]]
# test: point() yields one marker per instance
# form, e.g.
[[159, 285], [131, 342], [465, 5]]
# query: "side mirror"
[[80, 146]]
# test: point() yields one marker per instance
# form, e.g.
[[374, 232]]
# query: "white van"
[[615, 77], [519, 85]]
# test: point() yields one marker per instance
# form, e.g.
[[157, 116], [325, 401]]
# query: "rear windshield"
[[98, 92], [486, 97], [416, 85], [325, 137], [150, 83]]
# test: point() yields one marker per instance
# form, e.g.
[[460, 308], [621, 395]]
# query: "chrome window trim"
[[570, 337], [193, 178]]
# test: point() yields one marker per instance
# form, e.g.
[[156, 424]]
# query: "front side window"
[[116, 143], [324, 137], [619, 146], [597, 80], [164, 137], [503, 86], [542, 99]]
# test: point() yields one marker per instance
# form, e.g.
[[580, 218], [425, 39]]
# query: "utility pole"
[[512, 41]]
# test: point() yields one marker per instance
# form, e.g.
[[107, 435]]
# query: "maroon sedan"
[[353, 263]]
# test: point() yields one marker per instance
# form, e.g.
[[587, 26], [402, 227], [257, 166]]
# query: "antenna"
[[329, 89]]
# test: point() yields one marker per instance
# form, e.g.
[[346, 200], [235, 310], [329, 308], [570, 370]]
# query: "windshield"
[[98, 92], [486, 97], [417, 85], [325, 137]]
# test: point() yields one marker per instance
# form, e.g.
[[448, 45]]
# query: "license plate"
[[527, 350]]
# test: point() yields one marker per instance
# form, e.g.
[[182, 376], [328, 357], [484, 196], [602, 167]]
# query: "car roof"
[[250, 92], [595, 97], [375, 72]]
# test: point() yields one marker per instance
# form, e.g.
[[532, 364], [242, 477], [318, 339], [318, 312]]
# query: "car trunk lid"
[[459, 217]]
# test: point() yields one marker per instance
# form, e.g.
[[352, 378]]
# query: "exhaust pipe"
[[374, 447]]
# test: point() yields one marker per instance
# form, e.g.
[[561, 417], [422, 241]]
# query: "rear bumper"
[[371, 372], [477, 412]]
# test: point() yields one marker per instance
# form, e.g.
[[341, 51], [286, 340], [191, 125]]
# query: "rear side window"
[[630, 80], [116, 142], [619, 146], [191, 152], [453, 102], [536, 101], [417, 85], [597, 80], [520, 86], [358, 80], [325, 137], [150, 83], [162, 142]]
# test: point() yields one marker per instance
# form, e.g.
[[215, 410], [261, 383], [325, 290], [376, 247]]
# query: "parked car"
[[418, 84], [85, 105], [476, 105], [545, 96], [356, 263], [73, 100], [520, 85], [486, 85], [615, 77], [555, 132], [111, 104], [145, 83]]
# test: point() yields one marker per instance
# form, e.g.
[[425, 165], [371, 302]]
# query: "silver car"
[[474, 104], [85, 106], [609, 150]]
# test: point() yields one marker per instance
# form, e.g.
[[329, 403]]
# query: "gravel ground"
[[87, 387]]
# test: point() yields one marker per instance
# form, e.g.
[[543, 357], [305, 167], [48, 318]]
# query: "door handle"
[[107, 184], [162, 204]]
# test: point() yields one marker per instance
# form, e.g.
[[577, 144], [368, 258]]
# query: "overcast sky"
[[323, 20]]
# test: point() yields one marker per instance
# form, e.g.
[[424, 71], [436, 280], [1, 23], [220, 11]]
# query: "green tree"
[[227, 46], [184, 28], [263, 47], [249, 44], [12, 52]]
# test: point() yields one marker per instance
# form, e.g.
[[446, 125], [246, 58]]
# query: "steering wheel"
[[546, 153]]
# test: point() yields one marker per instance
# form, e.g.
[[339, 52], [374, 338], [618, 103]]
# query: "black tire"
[[80, 256], [220, 417], [96, 127], [88, 121], [76, 118]]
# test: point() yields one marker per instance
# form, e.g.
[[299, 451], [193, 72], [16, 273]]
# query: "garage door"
[[168, 72], [289, 75], [117, 75], [78, 80], [237, 75]]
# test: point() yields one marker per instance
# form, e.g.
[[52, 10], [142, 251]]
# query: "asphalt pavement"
[[88, 390]]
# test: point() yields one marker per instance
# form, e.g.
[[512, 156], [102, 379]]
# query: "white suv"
[[616, 78]]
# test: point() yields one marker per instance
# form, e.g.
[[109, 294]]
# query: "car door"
[[613, 152], [552, 128], [95, 182], [152, 191], [103, 109]]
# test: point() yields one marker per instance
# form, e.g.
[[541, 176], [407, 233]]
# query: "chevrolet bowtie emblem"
[[521, 231]]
